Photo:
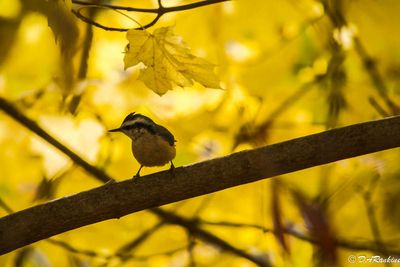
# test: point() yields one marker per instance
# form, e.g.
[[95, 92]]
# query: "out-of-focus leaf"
[[279, 230], [45, 190], [60, 20], [256, 135], [22, 256], [31, 257], [68, 4], [73, 103], [63, 25], [30, 98], [168, 61], [318, 225], [8, 32], [65, 31]]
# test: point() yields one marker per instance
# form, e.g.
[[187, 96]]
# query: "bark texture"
[[115, 200]]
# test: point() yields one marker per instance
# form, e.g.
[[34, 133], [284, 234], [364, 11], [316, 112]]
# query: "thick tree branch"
[[95, 172], [119, 199]]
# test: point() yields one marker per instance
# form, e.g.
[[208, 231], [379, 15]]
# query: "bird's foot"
[[137, 175], [172, 169]]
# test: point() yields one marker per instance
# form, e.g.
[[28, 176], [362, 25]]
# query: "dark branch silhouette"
[[95, 172], [160, 11], [349, 244], [335, 15], [207, 236], [34, 127], [115, 200]]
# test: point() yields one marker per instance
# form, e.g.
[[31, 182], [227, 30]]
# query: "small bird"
[[152, 144]]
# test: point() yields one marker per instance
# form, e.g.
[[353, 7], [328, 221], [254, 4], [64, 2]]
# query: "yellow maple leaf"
[[168, 61]]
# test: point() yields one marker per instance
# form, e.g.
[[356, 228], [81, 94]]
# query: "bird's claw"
[[172, 169]]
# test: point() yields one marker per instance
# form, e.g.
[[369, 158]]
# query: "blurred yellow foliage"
[[288, 68]]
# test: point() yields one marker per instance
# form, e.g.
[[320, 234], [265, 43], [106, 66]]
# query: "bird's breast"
[[152, 150]]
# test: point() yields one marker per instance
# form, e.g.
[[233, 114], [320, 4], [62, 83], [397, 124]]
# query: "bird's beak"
[[115, 130]]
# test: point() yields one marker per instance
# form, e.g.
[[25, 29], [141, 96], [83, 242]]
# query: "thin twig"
[[381, 111], [190, 248], [160, 11], [350, 244], [161, 253], [192, 227], [339, 21], [250, 132], [10, 110], [100, 175], [119, 199], [125, 251], [83, 65], [5, 206], [72, 249], [96, 24], [125, 197], [154, 10], [373, 222]]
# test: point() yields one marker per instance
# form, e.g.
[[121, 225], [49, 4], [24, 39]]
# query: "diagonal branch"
[[100, 175], [34, 127], [334, 13], [192, 227], [348, 243], [115, 200]]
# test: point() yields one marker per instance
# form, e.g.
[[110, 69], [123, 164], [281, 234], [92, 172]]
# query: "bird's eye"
[[128, 127]]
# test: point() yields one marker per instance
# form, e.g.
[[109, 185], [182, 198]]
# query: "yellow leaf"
[[68, 4], [168, 61]]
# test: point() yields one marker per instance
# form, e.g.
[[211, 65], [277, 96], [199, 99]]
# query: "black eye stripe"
[[139, 125], [153, 129]]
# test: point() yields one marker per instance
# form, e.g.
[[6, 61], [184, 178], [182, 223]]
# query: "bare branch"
[[125, 252], [381, 111], [95, 172], [160, 11], [115, 200], [350, 244], [5, 207], [191, 226], [34, 127], [154, 10], [338, 20], [371, 214], [96, 24]]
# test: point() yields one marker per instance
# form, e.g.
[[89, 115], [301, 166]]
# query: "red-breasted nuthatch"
[[152, 144]]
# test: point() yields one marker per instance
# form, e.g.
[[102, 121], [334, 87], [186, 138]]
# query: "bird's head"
[[134, 124]]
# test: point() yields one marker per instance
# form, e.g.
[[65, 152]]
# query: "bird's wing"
[[162, 131]]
